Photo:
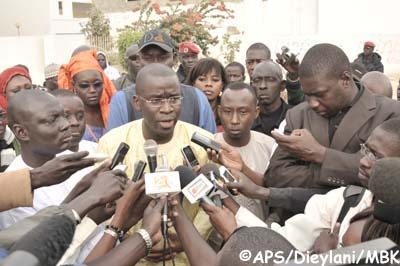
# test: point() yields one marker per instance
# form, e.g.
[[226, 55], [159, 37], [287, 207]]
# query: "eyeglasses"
[[158, 102], [96, 85], [365, 151]]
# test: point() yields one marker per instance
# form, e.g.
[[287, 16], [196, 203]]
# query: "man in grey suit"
[[320, 148]]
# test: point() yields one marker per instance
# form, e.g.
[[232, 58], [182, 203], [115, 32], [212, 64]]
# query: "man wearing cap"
[[156, 46], [132, 62], [188, 56], [51, 76], [371, 60]]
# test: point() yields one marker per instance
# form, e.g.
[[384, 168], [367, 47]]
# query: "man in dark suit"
[[320, 148]]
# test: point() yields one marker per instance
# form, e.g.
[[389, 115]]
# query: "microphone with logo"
[[44, 245], [194, 188]]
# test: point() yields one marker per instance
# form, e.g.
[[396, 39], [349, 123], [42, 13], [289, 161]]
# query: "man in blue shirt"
[[157, 47]]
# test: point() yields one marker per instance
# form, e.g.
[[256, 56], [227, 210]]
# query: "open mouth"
[[167, 123]]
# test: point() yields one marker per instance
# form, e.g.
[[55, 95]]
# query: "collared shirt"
[[335, 120], [132, 135]]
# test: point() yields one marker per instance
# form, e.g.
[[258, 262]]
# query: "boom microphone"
[[48, 241]]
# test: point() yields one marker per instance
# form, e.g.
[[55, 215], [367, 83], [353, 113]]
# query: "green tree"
[[126, 38], [98, 24]]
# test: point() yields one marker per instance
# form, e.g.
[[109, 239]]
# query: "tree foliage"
[[97, 25]]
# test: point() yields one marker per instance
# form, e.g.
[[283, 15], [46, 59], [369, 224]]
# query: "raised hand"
[[59, 169]]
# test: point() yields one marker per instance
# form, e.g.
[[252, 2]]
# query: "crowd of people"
[[313, 147]]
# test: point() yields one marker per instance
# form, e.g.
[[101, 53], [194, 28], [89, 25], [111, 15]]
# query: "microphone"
[[194, 188], [150, 149], [48, 241]]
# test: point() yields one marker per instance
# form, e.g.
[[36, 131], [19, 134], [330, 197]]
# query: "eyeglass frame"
[[162, 100], [366, 151]]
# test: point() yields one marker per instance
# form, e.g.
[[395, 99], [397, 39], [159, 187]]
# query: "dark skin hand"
[[124, 217], [59, 169], [301, 144], [231, 159], [290, 63], [130, 251], [222, 219], [156, 253], [197, 250], [87, 181], [327, 240], [97, 195], [114, 181], [247, 187]]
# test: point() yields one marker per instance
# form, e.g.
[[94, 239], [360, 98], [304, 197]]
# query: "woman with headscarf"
[[111, 72], [12, 80], [84, 76]]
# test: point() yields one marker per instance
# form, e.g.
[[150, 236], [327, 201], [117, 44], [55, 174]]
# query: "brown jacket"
[[16, 189], [341, 162]]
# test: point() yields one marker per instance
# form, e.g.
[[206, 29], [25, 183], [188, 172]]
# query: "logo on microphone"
[[159, 183]]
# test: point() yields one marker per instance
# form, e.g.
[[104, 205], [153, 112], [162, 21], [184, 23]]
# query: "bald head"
[[378, 83], [253, 239], [26, 102], [270, 67], [81, 48], [153, 71]]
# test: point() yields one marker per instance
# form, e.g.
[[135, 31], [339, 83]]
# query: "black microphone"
[[150, 149], [48, 241], [186, 176]]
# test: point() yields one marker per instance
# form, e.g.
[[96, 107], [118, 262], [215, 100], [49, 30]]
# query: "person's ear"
[[346, 77], [257, 111], [136, 104], [283, 85], [20, 132]]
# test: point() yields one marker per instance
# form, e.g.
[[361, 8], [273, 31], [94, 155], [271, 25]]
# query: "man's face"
[[132, 62], [75, 114], [254, 57], [154, 54], [48, 130], [16, 84], [267, 84], [102, 61], [368, 50], [51, 83], [88, 85], [234, 74], [188, 60], [237, 112], [159, 118], [378, 146], [326, 96]]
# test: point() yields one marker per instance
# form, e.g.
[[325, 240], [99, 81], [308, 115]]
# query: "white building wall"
[[33, 17]]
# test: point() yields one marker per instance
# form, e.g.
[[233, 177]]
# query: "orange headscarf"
[[5, 78], [87, 60]]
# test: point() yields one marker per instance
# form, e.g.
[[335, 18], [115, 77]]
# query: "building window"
[[60, 7]]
